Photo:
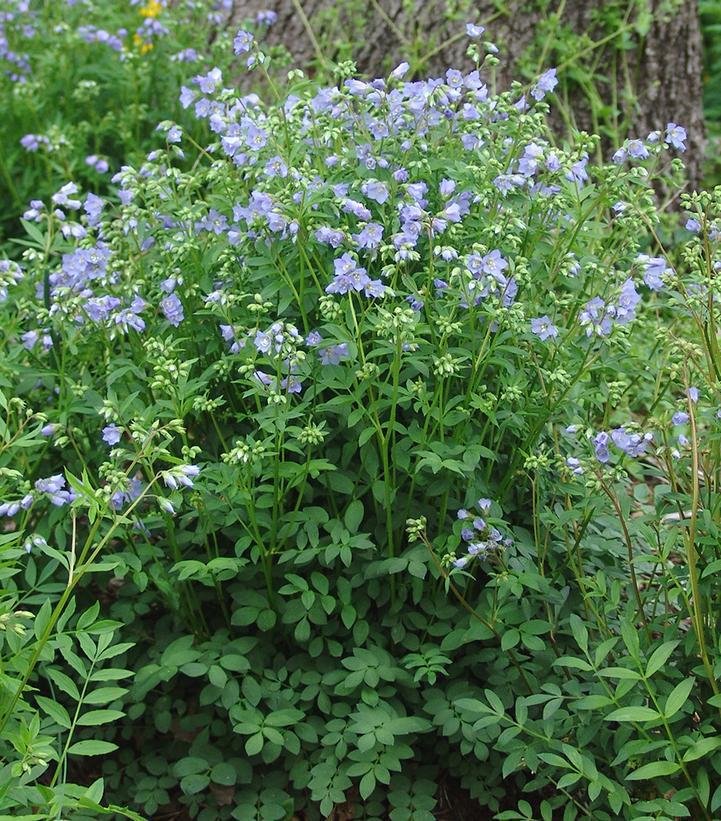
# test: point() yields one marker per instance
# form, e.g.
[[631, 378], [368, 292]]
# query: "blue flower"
[[627, 302], [454, 78], [32, 142], [529, 162], [575, 465], [266, 17], [173, 309], [54, 488], [276, 167], [676, 136], [634, 444], [636, 149], [93, 207], [180, 475], [577, 172], [600, 444], [596, 317], [349, 276], [375, 190], [11, 508], [545, 84], [543, 328], [209, 82], [369, 237], [446, 188], [263, 342], [493, 264], [64, 196], [167, 506], [111, 434], [479, 549], [400, 71], [330, 236], [123, 497], [334, 354], [656, 269]]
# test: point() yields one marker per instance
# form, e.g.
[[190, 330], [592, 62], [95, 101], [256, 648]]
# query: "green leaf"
[[555, 760], [536, 627], [659, 657], [568, 780], [629, 634], [495, 703], [94, 718], [633, 714], [653, 770], [470, 705], [42, 619], [224, 773], [348, 616], [407, 724], [190, 766], [116, 650], [574, 663], [254, 744], [602, 651], [56, 711], [88, 617], [593, 702], [354, 516], [273, 735], [702, 748], [179, 652], [678, 697], [103, 695], [580, 633], [367, 785], [716, 799], [620, 672], [64, 682], [417, 569], [192, 784], [217, 676], [510, 639], [91, 747], [266, 620]]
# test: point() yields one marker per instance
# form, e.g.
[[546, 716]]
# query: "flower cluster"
[[481, 538], [632, 444]]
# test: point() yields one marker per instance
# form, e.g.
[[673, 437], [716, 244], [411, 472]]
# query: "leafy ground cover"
[[361, 443]]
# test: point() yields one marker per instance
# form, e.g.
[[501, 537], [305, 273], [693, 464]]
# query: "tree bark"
[[623, 73]]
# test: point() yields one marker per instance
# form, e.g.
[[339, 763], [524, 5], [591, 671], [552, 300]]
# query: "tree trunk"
[[625, 70]]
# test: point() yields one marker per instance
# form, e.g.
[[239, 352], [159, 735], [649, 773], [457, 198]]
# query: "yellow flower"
[[151, 9], [141, 45]]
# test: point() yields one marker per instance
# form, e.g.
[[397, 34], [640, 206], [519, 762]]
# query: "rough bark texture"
[[662, 68]]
